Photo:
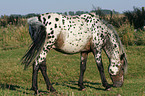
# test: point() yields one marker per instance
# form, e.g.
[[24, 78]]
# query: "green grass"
[[63, 71]]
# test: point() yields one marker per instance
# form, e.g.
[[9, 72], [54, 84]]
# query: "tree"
[[71, 13], [136, 17]]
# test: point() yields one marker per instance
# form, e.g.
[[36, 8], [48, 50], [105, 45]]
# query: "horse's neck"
[[111, 48]]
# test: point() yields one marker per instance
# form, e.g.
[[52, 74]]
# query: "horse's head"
[[117, 71], [117, 57]]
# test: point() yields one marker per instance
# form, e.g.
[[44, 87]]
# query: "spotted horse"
[[72, 34]]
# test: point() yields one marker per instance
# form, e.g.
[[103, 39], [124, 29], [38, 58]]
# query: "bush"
[[3, 21], [136, 17], [116, 20], [126, 34], [139, 37], [129, 36], [12, 20]]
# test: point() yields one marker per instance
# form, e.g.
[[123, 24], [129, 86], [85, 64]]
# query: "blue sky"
[[24, 7]]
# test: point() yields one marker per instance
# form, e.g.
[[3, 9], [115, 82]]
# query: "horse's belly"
[[72, 43], [73, 47]]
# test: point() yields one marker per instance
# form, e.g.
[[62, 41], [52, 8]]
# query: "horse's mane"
[[114, 32]]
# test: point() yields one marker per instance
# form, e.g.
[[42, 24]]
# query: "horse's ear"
[[122, 56]]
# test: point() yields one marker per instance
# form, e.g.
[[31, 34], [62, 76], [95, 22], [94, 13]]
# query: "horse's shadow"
[[9, 86], [74, 85], [14, 88], [69, 84]]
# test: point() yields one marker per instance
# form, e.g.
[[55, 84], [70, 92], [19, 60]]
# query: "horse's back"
[[72, 33]]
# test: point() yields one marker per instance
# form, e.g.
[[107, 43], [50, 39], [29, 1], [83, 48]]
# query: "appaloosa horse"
[[72, 34]]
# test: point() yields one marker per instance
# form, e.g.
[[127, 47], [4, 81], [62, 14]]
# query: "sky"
[[23, 7]]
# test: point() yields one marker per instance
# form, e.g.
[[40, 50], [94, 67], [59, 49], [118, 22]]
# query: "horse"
[[75, 34]]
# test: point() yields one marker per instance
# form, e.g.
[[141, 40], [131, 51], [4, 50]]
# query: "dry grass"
[[14, 37]]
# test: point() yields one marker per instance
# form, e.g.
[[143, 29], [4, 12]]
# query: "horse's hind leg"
[[98, 59], [40, 63], [84, 56], [34, 78], [43, 69]]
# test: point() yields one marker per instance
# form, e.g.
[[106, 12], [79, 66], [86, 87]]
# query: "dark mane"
[[111, 27]]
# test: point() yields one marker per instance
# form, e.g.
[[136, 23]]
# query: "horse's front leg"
[[84, 56], [43, 69], [98, 59]]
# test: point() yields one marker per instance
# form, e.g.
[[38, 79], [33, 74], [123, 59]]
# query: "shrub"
[[136, 17], [126, 34], [3, 21], [139, 37], [129, 36], [116, 20]]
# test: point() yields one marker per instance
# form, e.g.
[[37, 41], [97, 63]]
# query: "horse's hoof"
[[84, 89], [31, 88], [53, 90], [118, 95], [37, 92], [109, 89]]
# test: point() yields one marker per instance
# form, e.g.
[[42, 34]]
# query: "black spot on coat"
[[56, 19], [44, 20], [55, 25], [49, 16]]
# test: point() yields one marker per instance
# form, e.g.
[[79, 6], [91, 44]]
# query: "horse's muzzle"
[[117, 84], [117, 80]]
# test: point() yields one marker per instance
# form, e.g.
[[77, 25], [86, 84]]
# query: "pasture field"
[[63, 71]]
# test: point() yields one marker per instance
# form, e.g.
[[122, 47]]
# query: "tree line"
[[17, 19]]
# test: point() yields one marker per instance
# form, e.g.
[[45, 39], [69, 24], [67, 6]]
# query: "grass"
[[63, 71], [14, 37]]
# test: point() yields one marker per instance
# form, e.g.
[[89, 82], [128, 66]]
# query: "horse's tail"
[[38, 34]]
